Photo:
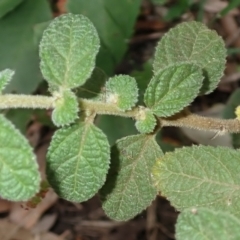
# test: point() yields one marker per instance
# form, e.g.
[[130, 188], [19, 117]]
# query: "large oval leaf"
[[205, 224], [78, 161], [129, 189], [19, 175], [173, 88], [200, 176], [68, 50], [193, 42]]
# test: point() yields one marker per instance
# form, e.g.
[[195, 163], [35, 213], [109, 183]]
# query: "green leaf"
[[94, 86], [193, 42], [173, 88], [8, 5], [122, 90], [68, 50], [5, 77], [146, 121], [19, 176], [113, 25], [129, 189], [205, 224], [78, 161], [17, 47], [200, 176], [66, 108]]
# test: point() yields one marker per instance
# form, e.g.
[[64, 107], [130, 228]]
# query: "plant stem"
[[106, 108], [182, 119], [195, 121], [26, 101]]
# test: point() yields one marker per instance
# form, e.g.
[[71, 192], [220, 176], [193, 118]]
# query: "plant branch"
[[26, 101], [190, 120], [182, 119], [106, 108]]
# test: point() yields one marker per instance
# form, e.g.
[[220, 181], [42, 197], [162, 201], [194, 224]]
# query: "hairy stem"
[[182, 119], [106, 108], [195, 121], [25, 101]]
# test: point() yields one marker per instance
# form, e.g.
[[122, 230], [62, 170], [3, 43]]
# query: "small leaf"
[[8, 5], [200, 176], [5, 77], [68, 50], [173, 88], [129, 189], [19, 176], [205, 224], [193, 42], [78, 161], [146, 121], [122, 90], [66, 108], [94, 86]]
